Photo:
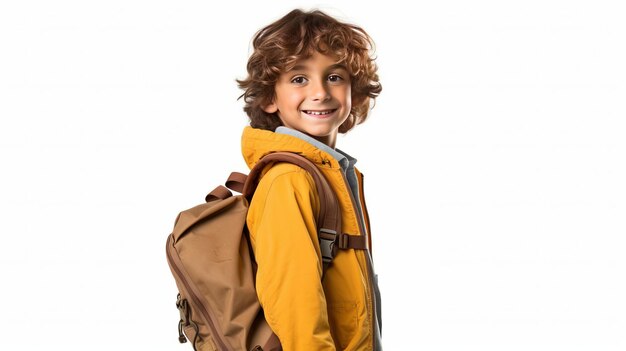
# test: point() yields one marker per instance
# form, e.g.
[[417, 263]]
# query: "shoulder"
[[282, 188], [286, 174], [284, 182]]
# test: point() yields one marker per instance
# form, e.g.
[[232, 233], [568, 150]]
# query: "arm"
[[281, 220]]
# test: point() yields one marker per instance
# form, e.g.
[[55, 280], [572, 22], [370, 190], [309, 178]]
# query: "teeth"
[[318, 112]]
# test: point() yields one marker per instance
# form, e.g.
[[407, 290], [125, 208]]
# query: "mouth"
[[319, 113]]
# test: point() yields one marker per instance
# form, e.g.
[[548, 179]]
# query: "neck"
[[329, 140]]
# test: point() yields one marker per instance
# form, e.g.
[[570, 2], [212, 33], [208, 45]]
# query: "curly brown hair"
[[296, 36]]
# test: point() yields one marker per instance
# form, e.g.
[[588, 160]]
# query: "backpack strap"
[[220, 192], [329, 220], [235, 182], [357, 242]]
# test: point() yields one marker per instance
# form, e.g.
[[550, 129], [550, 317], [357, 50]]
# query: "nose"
[[319, 91]]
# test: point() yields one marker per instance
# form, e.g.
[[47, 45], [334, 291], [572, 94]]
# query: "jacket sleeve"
[[281, 221]]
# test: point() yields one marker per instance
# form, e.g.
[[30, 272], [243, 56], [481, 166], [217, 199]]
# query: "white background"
[[494, 162]]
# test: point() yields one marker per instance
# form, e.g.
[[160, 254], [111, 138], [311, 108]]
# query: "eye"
[[298, 80], [335, 78]]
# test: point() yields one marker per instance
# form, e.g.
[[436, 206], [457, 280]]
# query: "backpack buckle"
[[327, 238]]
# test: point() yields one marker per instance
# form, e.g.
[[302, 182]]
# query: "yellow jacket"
[[306, 312]]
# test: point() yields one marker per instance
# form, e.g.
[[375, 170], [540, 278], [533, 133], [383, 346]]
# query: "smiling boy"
[[314, 98], [311, 77]]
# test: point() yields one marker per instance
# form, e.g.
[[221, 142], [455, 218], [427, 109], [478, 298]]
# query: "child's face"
[[314, 85]]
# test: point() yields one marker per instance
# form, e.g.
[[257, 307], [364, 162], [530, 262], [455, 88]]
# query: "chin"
[[317, 132]]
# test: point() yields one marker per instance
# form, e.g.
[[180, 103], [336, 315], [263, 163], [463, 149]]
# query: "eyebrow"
[[330, 68]]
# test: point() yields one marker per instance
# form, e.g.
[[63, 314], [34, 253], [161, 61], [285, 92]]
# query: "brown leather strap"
[[220, 192], [329, 219], [236, 181], [330, 215], [357, 242]]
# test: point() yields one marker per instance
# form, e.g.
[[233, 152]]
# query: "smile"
[[320, 113]]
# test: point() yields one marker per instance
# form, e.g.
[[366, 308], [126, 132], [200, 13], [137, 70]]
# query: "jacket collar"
[[256, 143], [345, 161]]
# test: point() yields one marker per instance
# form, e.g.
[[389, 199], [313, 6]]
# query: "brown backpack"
[[214, 267]]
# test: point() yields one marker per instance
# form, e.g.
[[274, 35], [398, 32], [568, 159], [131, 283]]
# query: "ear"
[[270, 108]]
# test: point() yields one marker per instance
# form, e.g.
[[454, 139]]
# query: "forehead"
[[317, 61]]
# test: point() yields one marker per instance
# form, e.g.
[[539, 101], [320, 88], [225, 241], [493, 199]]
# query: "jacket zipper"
[[194, 297], [370, 284]]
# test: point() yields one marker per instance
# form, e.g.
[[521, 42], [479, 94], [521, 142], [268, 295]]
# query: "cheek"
[[286, 97], [291, 98], [342, 92], [347, 96], [295, 98]]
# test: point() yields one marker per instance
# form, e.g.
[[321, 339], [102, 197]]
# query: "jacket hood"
[[256, 143]]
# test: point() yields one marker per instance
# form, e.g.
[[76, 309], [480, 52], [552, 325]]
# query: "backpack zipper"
[[195, 299]]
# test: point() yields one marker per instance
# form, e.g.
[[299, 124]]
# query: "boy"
[[309, 78]]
